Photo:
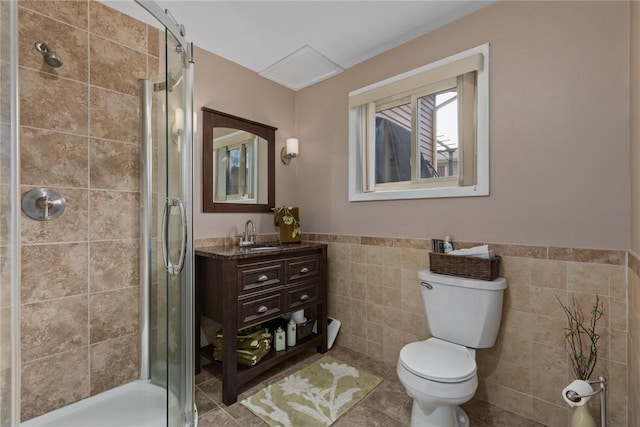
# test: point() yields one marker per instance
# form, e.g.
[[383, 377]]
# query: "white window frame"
[[358, 149]]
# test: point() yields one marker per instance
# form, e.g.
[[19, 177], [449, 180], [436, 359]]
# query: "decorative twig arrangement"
[[582, 338]]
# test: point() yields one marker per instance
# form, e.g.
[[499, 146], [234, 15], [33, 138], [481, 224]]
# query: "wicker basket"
[[465, 266], [303, 330]]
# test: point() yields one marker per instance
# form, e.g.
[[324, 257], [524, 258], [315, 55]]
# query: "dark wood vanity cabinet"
[[240, 288]]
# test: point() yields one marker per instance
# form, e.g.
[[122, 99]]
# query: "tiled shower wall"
[[5, 181], [634, 339], [373, 290], [79, 136]]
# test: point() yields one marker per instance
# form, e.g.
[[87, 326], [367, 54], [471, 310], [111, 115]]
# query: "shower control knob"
[[43, 204]]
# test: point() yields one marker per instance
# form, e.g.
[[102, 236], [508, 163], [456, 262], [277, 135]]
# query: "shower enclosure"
[[96, 298]]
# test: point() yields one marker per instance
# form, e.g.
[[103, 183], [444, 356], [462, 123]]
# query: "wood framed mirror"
[[238, 164]]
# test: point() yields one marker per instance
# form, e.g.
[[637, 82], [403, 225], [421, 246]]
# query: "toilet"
[[440, 373]]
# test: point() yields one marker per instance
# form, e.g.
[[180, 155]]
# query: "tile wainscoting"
[[634, 339], [374, 292]]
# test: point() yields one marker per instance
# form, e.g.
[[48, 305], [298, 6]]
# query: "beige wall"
[[634, 261], [558, 132], [634, 91], [225, 86], [79, 135]]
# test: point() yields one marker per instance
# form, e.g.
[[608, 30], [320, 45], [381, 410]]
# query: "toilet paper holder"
[[602, 381]]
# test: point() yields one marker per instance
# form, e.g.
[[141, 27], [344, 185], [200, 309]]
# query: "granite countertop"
[[260, 249]]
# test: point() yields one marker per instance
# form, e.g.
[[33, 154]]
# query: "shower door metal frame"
[[146, 220], [14, 246], [163, 16]]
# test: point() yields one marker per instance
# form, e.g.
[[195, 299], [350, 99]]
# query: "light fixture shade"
[[292, 147], [179, 119], [289, 151]]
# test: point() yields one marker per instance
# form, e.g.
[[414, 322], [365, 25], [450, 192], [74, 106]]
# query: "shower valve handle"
[[45, 203]]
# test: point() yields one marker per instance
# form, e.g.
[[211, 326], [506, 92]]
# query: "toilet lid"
[[438, 360]]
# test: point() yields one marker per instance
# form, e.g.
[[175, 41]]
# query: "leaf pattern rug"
[[313, 396]]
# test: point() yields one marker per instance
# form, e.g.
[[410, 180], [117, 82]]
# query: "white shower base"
[[136, 404]]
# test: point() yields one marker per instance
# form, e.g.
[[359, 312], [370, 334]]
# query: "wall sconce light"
[[195, 122], [289, 151]]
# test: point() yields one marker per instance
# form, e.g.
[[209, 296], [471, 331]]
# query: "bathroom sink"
[[263, 247]]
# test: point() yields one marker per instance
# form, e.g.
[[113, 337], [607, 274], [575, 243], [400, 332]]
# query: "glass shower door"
[[176, 232], [168, 154]]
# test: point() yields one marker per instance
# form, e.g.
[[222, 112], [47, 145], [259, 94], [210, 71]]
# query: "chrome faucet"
[[248, 239]]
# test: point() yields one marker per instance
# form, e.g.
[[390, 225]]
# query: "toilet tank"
[[462, 311]]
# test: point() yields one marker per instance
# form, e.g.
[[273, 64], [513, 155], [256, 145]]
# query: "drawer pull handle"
[[304, 297], [304, 270], [263, 309], [262, 278]]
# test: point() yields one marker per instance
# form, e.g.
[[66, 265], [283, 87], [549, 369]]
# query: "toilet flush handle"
[[427, 285]]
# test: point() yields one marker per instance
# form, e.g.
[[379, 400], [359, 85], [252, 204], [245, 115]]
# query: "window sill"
[[420, 193]]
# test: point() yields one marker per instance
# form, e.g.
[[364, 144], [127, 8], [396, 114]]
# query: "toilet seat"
[[438, 360]]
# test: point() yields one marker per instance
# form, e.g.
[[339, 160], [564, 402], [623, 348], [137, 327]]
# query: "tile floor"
[[387, 406]]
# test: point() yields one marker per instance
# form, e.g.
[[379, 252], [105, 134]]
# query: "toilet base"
[[440, 416]]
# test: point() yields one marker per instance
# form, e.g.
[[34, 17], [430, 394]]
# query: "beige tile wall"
[[5, 179], [79, 135], [373, 290], [634, 339]]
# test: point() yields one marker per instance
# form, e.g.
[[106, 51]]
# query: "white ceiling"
[[259, 34]]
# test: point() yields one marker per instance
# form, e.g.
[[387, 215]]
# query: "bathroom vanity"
[[244, 287]]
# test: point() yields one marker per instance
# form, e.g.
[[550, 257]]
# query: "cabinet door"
[[303, 267], [303, 295], [259, 276], [257, 309]]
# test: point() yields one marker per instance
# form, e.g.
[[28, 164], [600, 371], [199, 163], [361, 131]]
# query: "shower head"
[[51, 58]]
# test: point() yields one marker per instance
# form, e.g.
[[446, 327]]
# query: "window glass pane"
[[446, 118], [234, 172], [426, 147], [248, 169], [393, 144]]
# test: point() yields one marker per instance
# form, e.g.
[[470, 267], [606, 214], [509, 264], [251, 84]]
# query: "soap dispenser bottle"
[[280, 343], [448, 247], [291, 333]]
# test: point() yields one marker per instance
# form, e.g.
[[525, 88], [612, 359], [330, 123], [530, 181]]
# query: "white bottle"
[[448, 247], [291, 333], [280, 343]]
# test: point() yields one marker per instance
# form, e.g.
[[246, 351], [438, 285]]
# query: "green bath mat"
[[313, 396]]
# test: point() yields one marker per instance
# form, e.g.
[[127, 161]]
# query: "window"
[[423, 133]]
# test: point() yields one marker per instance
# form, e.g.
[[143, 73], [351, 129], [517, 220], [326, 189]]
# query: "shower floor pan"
[[136, 404]]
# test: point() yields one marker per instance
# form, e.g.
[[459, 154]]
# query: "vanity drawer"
[[303, 267], [259, 276], [257, 309], [302, 295]]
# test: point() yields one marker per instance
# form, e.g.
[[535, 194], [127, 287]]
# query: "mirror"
[[238, 169]]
